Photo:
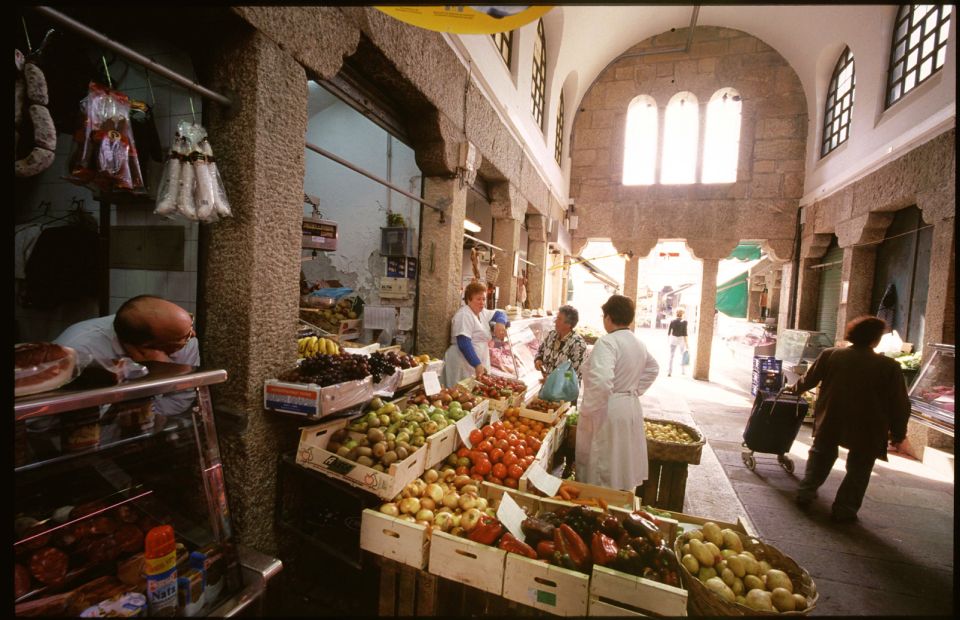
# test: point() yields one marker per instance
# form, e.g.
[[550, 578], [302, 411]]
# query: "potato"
[[738, 587], [700, 551], [731, 540], [760, 600], [714, 551], [711, 533], [800, 601], [751, 566], [706, 572], [690, 563], [717, 586], [726, 553], [783, 599], [752, 582], [778, 579], [736, 564], [694, 534], [728, 577], [764, 567]]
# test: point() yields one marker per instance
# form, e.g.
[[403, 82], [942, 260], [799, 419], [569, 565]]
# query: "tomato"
[[463, 452], [510, 482], [528, 451], [495, 480], [462, 471], [497, 426], [485, 446], [534, 443], [512, 439], [499, 470], [515, 471], [500, 433], [476, 436], [522, 444], [509, 458], [488, 430], [483, 467], [477, 477], [503, 444], [477, 456], [496, 455]]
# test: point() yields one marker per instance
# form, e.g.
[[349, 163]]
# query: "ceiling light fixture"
[[471, 226]]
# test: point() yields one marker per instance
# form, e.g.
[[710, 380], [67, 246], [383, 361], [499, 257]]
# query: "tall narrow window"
[[504, 43], [836, 115], [640, 142], [721, 147], [919, 47], [681, 129], [539, 87], [558, 147]]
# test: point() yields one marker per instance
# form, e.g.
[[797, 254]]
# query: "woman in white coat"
[[470, 331], [611, 445]]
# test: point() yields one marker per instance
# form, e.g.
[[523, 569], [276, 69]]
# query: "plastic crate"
[[767, 374]]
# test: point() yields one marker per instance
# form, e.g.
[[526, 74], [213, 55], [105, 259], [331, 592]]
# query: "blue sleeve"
[[500, 317], [466, 348]]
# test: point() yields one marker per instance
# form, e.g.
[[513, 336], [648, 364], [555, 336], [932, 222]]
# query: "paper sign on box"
[[431, 384], [464, 426], [544, 481], [511, 515]]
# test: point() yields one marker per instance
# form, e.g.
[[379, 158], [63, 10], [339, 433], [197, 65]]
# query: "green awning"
[[732, 296], [746, 251]]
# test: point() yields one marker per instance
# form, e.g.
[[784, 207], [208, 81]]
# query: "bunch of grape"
[[400, 359], [381, 365], [330, 369]]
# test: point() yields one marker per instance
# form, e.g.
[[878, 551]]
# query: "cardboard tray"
[[312, 400]]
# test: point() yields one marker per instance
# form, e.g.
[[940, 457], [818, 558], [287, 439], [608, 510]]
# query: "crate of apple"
[[492, 386], [500, 454]]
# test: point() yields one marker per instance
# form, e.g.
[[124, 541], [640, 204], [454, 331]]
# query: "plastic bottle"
[[160, 567]]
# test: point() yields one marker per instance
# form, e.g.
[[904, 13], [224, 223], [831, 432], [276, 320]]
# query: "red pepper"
[[571, 544], [604, 549], [512, 544], [486, 531], [546, 549]]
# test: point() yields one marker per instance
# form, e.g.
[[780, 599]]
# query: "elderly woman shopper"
[[471, 329], [562, 344], [611, 445], [862, 404]]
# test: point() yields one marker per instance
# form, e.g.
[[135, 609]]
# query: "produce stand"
[[666, 482]]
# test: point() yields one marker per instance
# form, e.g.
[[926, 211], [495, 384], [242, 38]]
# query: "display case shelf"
[[932, 393]]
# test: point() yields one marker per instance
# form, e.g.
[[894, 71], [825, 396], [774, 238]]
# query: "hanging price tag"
[[431, 384], [464, 426], [511, 515], [544, 481], [494, 416]]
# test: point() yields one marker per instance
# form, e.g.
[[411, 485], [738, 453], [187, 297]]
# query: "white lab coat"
[[466, 323], [611, 445]]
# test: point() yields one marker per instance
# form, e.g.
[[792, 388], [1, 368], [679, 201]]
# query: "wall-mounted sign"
[[479, 19]]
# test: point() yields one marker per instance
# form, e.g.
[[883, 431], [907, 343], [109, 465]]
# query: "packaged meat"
[[42, 366], [126, 605], [49, 565], [21, 580]]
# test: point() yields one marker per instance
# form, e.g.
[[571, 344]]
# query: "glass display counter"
[[932, 393]]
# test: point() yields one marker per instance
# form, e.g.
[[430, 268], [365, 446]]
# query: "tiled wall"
[[170, 104]]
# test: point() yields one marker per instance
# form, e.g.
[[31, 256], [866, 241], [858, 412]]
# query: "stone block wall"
[[761, 204]]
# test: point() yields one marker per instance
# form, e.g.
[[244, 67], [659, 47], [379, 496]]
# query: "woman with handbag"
[[677, 335], [562, 343]]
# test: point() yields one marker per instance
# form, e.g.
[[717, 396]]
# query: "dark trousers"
[[850, 494]]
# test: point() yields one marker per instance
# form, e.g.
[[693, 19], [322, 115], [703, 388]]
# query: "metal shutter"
[[829, 300]]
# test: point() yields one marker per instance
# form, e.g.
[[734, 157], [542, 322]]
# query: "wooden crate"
[[440, 445], [560, 591], [613, 593], [467, 562], [665, 486], [394, 538], [613, 497], [405, 591], [493, 492]]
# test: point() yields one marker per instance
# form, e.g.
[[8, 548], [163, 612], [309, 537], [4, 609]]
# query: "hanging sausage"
[[32, 118], [191, 186]]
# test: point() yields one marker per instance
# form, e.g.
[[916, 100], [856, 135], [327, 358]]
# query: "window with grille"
[[504, 43], [919, 47], [681, 132], [558, 147], [721, 148], [539, 74], [839, 107], [640, 142]]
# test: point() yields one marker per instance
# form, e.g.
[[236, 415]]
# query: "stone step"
[[940, 460]]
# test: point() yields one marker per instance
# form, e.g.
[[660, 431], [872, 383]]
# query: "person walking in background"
[[677, 336], [611, 444], [562, 344], [862, 403]]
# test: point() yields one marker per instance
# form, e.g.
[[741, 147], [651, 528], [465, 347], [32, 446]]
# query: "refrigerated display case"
[[95, 470], [931, 395], [797, 349]]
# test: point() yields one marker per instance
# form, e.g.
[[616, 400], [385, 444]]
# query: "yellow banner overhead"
[[461, 19]]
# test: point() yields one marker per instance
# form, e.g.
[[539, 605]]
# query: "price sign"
[[511, 515], [464, 426], [494, 416], [544, 481], [431, 384]]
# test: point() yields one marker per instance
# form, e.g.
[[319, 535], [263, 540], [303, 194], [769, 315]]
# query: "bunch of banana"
[[309, 346]]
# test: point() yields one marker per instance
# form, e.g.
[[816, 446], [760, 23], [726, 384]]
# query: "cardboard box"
[[312, 453], [399, 540], [613, 593], [312, 400]]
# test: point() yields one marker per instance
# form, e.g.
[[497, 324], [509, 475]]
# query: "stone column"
[[248, 302], [441, 263], [636, 249], [812, 250], [506, 235], [940, 314], [565, 274], [856, 280], [710, 252], [536, 254], [784, 298]]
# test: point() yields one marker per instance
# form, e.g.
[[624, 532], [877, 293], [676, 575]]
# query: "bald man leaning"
[[145, 329]]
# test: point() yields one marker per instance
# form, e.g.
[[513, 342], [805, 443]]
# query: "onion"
[[468, 501], [449, 475], [431, 475], [429, 504], [444, 520], [469, 488], [481, 504], [409, 505], [452, 500], [461, 480], [425, 515], [390, 509], [405, 517], [469, 519], [423, 523], [434, 492]]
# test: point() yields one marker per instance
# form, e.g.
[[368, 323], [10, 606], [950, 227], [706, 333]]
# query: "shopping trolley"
[[774, 422]]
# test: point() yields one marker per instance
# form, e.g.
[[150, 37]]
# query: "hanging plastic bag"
[[191, 185], [685, 360], [561, 384]]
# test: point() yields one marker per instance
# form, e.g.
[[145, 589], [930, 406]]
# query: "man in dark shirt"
[[677, 335]]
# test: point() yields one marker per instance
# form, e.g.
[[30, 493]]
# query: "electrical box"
[[319, 234], [396, 241], [394, 288]]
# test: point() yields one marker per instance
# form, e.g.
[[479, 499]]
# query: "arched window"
[[721, 148], [539, 86], [640, 142], [504, 43], [836, 115], [919, 47], [558, 147], [681, 130]]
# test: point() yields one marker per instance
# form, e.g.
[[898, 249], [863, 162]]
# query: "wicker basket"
[[702, 601], [675, 451]]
